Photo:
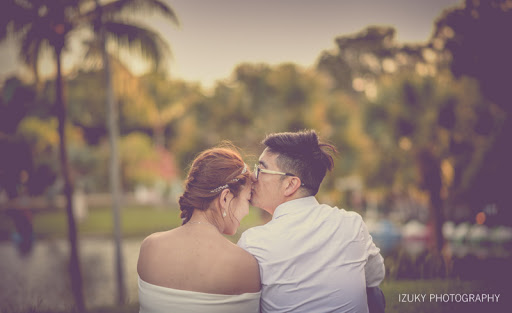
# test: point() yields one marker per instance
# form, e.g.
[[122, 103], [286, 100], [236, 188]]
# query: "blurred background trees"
[[389, 107], [371, 95], [475, 39], [40, 25]]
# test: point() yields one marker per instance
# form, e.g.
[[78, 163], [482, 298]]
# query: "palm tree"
[[106, 24], [39, 25], [48, 24]]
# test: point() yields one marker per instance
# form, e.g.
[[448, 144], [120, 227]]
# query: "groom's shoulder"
[[256, 234], [256, 231], [344, 213], [346, 219], [350, 214]]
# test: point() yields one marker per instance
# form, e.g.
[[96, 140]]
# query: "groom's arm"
[[374, 269], [374, 273]]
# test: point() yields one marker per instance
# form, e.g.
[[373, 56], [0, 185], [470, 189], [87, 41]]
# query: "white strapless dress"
[[157, 299]]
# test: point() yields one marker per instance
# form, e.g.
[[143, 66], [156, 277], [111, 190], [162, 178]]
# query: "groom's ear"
[[292, 185]]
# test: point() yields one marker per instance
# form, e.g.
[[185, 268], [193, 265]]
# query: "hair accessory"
[[244, 170], [219, 188]]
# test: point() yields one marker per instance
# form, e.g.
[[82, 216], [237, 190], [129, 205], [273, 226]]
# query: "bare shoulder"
[[245, 270], [149, 250], [246, 260], [150, 242]]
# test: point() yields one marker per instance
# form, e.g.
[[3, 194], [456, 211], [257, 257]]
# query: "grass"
[[136, 221]]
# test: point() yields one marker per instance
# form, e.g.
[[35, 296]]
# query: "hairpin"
[[244, 170]]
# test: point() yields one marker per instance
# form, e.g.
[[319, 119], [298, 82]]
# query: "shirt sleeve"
[[374, 268]]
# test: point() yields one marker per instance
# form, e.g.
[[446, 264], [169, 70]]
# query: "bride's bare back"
[[196, 257]]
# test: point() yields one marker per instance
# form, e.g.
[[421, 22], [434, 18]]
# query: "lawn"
[[136, 221]]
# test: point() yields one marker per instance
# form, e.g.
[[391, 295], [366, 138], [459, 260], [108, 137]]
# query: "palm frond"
[[6, 8], [15, 17], [31, 46], [138, 38], [119, 7]]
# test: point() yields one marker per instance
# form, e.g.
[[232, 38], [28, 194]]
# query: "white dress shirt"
[[314, 258]]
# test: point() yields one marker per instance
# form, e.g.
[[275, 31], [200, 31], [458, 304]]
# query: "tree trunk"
[[436, 206], [74, 264], [430, 169], [115, 185]]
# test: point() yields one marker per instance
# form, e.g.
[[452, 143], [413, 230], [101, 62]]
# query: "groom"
[[312, 257]]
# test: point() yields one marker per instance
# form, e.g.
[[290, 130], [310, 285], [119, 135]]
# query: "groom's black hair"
[[302, 154]]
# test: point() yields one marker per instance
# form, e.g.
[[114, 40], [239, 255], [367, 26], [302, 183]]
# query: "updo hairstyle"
[[210, 171]]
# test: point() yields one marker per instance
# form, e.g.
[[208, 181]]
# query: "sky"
[[216, 35]]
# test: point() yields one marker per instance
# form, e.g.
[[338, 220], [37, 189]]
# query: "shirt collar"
[[295, 206]]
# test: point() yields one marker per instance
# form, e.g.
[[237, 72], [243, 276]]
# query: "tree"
[[364, 56], [474, 39], [106, 22], [164, 103], [16, 101], [39, 25], [421, 131], [89, 110], [424, 129], [371, 66]]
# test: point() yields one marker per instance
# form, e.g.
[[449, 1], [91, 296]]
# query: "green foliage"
[[86, 108], [408, 104], [17, 100], [137, 153], [472, 40], [473, 35], [43, 138], [40, 133]]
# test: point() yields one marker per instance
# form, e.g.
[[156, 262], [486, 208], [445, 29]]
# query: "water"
[[41, 280]]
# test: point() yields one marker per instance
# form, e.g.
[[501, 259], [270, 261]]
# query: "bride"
[[193, 268]]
